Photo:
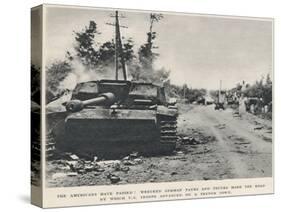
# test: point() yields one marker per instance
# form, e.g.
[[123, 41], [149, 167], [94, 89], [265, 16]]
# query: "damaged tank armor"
[[111, 118]]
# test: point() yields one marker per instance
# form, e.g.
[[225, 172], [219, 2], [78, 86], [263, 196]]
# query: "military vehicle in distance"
[[112, 118]]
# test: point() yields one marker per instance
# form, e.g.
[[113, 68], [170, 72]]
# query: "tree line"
[[100, 57]]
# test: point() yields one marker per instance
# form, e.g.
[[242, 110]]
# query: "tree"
[[261, 89], [85, 49], [128, 52], [56, 73], [106, 52], [97, 57], [267, 93], [146, 55], [143, 69]]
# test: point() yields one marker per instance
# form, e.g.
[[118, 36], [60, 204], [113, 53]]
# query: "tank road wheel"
[[168, 134]]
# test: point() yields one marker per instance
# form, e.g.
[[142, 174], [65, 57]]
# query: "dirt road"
[[212, 145], [242, 144]]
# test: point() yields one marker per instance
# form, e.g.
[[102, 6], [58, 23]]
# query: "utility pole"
[[220, 91], [118, 46]]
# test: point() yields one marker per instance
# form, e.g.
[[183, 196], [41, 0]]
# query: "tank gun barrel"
[[77, 105]]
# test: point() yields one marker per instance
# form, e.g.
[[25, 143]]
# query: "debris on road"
[[58, 175], [199, 154], [124, 169], [241, 151], [236, 138], [258, 128], [113, 178], [72, 174], [190, 140], [220, 126], [89, 167], [204, 151], [236, 114], [267, 139], [132, 159], [242, 143], [108, 163], [138, 160], [180, 153], [134, 155], [153, 179], [72, 162], [99, 169], [129, 163], [73, 157]]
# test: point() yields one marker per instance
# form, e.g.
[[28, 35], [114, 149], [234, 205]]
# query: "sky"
[[199, 50], [36, 37]]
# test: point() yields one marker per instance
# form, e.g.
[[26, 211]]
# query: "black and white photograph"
[[35, 113], [136, 97]]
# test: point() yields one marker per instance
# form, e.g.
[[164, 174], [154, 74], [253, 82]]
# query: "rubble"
[[72, 174], [199, 155], [236, 114], [124, 169], [99, 169], [258, 128], [126, 158], [153, 179], [113, 178], [132, 159], [242, 143], [134, 155], [220, 126], [81, 171], [204, 151], [89, 167], [129, 163], [190, 140], [72, 163], [152, 166], [108, 162], [267, 139], [73, 166], [73, 157], [58, 175], [180, 153], [78, 166], [138, 160], [241, 151]]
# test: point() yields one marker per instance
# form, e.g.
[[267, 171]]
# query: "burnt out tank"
[[112, 118]]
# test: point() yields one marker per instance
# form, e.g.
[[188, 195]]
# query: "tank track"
[[168, 130], [50, 145], [35, 150]]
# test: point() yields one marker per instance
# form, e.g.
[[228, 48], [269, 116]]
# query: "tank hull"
[[113, 134], [111, 119]]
